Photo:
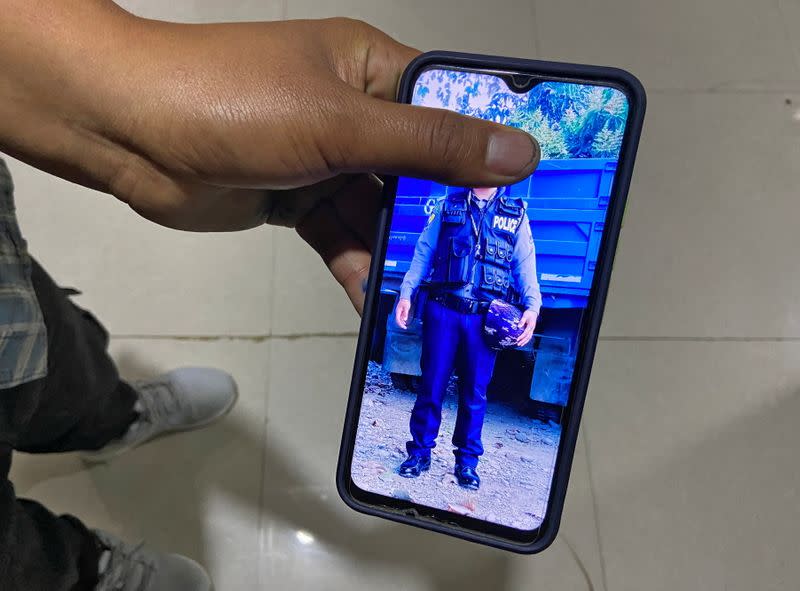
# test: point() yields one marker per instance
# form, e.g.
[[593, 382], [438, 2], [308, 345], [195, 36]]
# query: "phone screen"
[[483, 293]]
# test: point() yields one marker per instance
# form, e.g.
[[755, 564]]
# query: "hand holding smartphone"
[[484, 305]]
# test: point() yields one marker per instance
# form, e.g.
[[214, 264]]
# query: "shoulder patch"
[[513, 201], [459, 198], [511, 206]]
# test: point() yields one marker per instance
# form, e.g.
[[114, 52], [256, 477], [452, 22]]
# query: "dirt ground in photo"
[[515, 469]]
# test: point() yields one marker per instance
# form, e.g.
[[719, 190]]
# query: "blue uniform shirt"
[[523, 262]]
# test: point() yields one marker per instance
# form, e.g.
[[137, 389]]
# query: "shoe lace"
[[158, 401], [119, 570]]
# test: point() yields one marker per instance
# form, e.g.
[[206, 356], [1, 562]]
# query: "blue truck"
[[567, 201]]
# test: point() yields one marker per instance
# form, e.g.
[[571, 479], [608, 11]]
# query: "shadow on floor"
[[161, 492], [724, 509]]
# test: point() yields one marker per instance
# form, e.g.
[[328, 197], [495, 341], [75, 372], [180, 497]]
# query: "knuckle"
[[125, 179], [353, 26], [446, 138]]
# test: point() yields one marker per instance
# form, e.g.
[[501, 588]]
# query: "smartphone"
[[484, 305]]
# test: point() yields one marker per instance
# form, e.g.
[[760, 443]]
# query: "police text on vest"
[[504, 223]]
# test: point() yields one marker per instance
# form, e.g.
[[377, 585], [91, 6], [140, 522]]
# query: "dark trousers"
[[452, 340], [81, 405]]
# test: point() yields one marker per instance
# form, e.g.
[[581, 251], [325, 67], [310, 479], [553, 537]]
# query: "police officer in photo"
[[476, 247]]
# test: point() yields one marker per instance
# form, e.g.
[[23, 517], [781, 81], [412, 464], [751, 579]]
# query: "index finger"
[[343, 253]]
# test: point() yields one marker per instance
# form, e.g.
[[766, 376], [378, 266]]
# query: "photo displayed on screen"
[[482, 298]]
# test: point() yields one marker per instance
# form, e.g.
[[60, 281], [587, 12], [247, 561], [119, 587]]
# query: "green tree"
[[607, 142], [550, 138]]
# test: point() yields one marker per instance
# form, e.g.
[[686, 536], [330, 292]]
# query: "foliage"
[[569, 120]]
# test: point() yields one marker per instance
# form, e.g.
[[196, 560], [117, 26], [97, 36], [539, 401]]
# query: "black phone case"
[[475, 530]]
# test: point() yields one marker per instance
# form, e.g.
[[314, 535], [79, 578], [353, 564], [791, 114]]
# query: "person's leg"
[[38, 550], [60, 391], [82, 404], [476, 372], [439, 344]]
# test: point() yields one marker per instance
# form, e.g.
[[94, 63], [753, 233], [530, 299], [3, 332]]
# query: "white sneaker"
[[180, 400], [124, 567]]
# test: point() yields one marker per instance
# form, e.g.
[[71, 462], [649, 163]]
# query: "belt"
[[459, 304]]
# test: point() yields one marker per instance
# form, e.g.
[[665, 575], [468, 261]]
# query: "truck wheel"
[[543, 411], [401, 381]]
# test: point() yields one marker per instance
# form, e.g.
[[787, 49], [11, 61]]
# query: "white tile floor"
[[686, 477]]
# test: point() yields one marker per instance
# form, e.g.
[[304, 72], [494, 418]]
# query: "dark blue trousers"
[[452, 340]]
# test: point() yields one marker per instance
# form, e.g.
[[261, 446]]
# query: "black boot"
[[467, 477], [414, 466]]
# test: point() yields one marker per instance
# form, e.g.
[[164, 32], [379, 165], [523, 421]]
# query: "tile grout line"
[[262, 338], [686, 339], [260, 576], [717, 90], [603, 576], [263, 476], [536, 41], [795, 47], [254, 338], [273, 266]]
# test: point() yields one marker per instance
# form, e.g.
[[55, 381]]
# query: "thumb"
[[435, 144]]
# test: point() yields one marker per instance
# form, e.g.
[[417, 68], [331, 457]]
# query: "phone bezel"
[[521, 541]]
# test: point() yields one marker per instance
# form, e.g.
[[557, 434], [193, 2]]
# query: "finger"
[[358, 203], [342, 251], [288, 207], [184, 205], [525, 337], [529, 332], [428, 143]]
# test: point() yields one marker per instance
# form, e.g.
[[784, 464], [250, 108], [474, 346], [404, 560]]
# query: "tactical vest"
[[457, 252]]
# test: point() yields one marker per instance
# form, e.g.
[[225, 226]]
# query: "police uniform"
[[472, 251]]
